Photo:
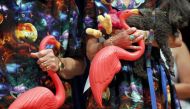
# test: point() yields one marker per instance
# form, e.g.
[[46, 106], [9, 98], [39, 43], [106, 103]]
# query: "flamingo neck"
[[60, 92], [130, 56], [123, 24]]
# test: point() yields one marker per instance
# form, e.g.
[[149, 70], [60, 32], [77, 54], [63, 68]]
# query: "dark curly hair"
[[165, 21], [178, 11]]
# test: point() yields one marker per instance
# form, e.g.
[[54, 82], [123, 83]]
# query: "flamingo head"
[[123, 16], [49, 40], [129, 12]]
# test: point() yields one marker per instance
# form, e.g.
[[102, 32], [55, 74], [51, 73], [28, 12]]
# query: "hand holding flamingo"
[[106, 63], [41, 97]]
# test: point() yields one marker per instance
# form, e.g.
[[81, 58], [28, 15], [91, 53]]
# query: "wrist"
[[108, 42], [61, 70], [60, 66]]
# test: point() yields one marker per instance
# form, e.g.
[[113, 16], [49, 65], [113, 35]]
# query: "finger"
[[37, 54], [131, 30], [44, 59], [46, 68], [133, 47], [138, 33], [44, 64], [34, 55], [137, 39], [41, 53], [51, 64], [118, 31]]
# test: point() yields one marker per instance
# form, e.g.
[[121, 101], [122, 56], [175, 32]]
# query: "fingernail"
[[133, 28], [34, 55]]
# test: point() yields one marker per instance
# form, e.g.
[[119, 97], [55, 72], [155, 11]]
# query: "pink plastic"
[[42, 97], [106, 63], [118, 18]]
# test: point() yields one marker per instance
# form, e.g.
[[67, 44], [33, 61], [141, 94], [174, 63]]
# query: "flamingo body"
[[106, 64], [45, 99], [42, 97]]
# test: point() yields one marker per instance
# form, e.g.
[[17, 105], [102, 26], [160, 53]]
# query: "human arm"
[[182, 58], [175, 41], [72, 67], [92, 44], [121, 39], [48, 61]]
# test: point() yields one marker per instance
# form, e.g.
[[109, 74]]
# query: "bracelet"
[[108, 42], [60, 65], [111, 41]]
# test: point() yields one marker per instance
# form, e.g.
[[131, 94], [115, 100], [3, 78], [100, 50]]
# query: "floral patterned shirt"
[[23, 24]]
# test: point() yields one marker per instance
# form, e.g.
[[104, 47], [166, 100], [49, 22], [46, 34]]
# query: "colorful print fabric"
[[23, 24], [127, 4], [129, 90]]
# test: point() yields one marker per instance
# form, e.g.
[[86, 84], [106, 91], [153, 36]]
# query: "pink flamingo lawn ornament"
[[42, 97], [105, 63]]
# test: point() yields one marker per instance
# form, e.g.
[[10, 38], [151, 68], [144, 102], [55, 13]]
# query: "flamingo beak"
[[135, 11], [58, 45]]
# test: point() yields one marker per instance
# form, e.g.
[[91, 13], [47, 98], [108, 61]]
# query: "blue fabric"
[[101, 6], [151, 85], [164, 85], [150, 74]]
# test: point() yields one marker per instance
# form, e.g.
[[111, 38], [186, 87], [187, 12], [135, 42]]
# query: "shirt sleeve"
[[75, 48], [77, 36], [90, 14]]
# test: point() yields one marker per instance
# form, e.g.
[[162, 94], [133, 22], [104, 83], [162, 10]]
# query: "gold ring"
[[47, 68], [43, 64]]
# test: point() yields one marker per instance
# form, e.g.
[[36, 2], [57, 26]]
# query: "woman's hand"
[[47, 60], [120, 38], [125, 38]]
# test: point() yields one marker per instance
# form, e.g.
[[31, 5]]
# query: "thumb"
[[34, 55]]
